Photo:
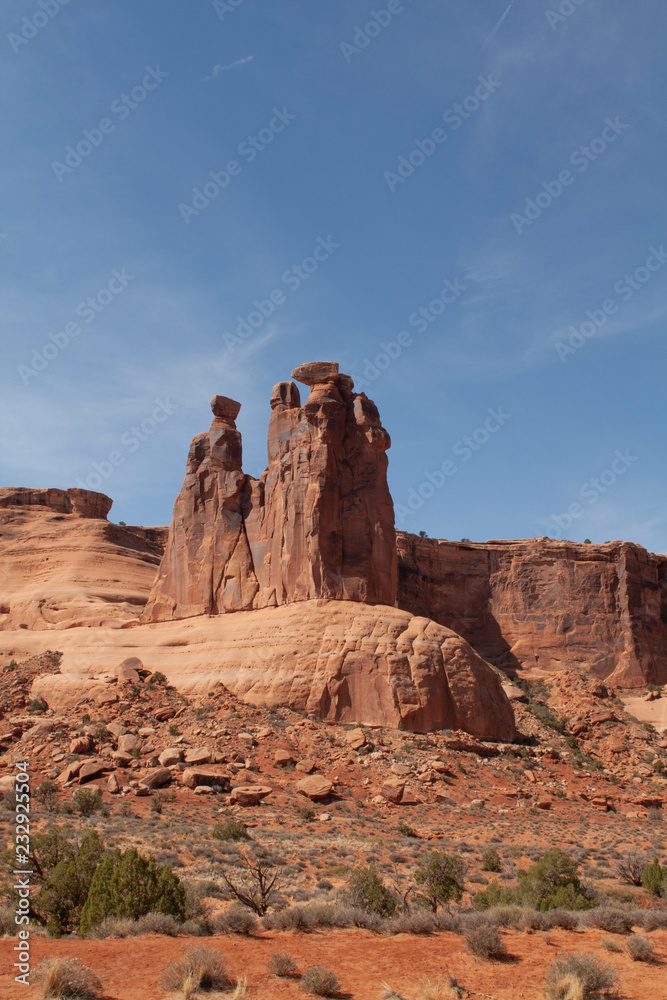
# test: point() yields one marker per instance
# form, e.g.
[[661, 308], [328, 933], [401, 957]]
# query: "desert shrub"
[[565, 919], [367, 891], [495, 895], [126, 884], [630, 867], [230, 829], [307, 815], [86, 801], [112, 927], [483, 939], [7, 924], [449, 922], [491, 861], [610, 944], [68, 979], [579, 975], [640, 948], [654, 877], [47, 794], [553, 883], [156, 923], [610, 920], [235, 920], [65, 872], [283, 966], [294, 918], [506, 916], [419, 922], [199, 969], [441, 877], [319, 982], [326, 915], [654, 920], [406, 831]]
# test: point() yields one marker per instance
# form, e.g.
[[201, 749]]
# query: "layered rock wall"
[[539, 603]]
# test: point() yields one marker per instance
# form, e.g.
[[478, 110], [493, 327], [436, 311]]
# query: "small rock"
[[82, 744], [140, 791], [283, 758], [324, 817], [163, 714], [113, 785], [305, 766], [543, 804], [106, 698], [356, 739], [203, 790]]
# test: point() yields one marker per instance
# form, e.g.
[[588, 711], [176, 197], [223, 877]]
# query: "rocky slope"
[[550, 605]]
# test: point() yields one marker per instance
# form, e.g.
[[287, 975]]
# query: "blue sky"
[[332, 127]]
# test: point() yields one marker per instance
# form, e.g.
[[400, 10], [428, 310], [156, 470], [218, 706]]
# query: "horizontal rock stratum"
[[342, 660]]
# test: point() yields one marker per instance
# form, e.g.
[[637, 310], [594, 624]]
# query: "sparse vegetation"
[[319, 982], [67, 979], [483, 939], [491, 861], [367, 891], [283, 966], [579, 975], [640, 948], [230, 829], [441, 878], [200, 969]]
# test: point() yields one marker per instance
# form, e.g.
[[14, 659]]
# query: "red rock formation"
[[318, 523], [85, 503], [544, 603]]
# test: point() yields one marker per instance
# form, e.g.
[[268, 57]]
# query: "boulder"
[[92, 769], [282, 758], [170, 756], [129, 742], [249, 795], [82, 744], [194, 776], [197, 756], [306, 766], [392, 790], [315, 787], [355, 739], [164, 714], [157, 778], [113, 785]]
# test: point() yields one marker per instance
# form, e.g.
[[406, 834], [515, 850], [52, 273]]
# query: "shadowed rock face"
[[319, 522], [540, 603]]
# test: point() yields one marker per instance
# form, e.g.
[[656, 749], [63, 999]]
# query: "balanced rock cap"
[[225, 408], [316, 372]]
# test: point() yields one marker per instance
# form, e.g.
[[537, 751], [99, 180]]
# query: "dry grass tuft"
[[68, 979], [579, 976], [201, 970]]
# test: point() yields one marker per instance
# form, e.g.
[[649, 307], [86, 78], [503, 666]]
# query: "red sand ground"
[[130, 969]]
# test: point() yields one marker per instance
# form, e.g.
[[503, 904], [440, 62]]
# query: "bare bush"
[[319, 982], [156, 923], [200, 969], [283, 966], [483, 939], [68, 979], [630, 866], [610, 920], [640, 948], [610, 944], [579, 975], [112, 927], [235, 920]]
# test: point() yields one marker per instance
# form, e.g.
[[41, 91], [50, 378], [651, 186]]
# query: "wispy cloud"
[[219, 68]]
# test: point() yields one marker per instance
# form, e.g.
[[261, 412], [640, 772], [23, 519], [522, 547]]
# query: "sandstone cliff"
[[543, 603], [319, 522], [64, 564]]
